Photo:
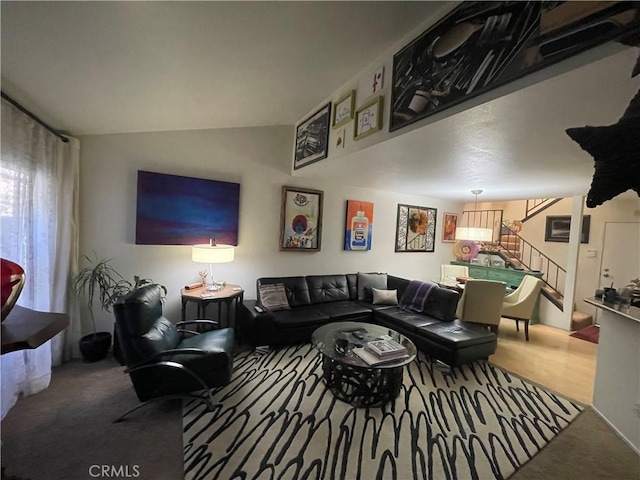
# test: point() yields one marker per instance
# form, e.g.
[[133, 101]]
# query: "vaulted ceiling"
[[115, 67]]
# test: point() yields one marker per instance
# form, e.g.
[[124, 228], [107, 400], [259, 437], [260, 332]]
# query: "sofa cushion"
[[373, 307], [397, 283], [367, 281], [457, 334], [343, 310], [296, 288], [410, 321], [274, 297], [327, 288], [442, 303], [299, 317], [384, 297], [352, 282]]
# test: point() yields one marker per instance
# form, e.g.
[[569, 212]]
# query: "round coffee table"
[[348, 376]]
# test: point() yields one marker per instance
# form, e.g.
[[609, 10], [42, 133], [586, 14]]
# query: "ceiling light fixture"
[[475, 234]]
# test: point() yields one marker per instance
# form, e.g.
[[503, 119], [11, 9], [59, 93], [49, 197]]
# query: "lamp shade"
[[205, 253], [474, 234]]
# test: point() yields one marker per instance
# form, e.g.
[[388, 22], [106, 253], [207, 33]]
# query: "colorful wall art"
[[450, 222], [359, 225], [175, 210], [301, 219], [415, 229]]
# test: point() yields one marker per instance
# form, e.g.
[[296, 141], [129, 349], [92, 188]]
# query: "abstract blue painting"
[[175, 210]]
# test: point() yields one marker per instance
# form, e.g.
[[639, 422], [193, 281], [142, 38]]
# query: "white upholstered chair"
[[519, 304], [481, 302], [448, 273]]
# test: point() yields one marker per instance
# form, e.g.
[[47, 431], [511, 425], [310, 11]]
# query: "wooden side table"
[[228, 295]]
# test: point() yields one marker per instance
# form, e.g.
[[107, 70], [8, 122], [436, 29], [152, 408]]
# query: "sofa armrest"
[[252, 321], [250, 310]]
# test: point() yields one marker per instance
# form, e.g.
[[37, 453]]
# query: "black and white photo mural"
[[482, 45]]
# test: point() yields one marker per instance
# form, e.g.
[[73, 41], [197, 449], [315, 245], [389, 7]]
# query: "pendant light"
[[474, 234]]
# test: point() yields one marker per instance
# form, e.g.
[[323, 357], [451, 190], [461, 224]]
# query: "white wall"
[[260, 160]]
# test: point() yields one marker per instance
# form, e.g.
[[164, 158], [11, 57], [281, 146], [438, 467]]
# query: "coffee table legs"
[[361, 386]]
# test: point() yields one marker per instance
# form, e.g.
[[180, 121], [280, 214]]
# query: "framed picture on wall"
[[301, 220], [359, 226], [343, 109], [312, 138], [450, 222], [557, 228], [415, 228], [368, 118]]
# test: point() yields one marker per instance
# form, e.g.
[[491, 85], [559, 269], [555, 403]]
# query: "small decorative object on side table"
[[227, 295]]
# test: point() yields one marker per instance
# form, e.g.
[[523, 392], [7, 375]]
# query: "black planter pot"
[[95, 346]]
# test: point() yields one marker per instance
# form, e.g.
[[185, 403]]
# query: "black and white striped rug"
[[277, 420]]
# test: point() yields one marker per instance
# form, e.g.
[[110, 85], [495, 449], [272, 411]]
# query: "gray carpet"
[[59, 433]]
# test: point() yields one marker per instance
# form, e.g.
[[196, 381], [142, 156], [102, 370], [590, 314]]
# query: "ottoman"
[[456, 343]]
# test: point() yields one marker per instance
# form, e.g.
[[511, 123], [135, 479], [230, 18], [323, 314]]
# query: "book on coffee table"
[[373, 359], [385, 348]]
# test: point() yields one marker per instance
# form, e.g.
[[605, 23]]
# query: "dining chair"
[[449, 273], [519, 304], [481, 303]]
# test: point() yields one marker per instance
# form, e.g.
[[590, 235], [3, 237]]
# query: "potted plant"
[[100, 282]]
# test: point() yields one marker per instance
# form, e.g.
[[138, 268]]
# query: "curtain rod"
[[33, 117]]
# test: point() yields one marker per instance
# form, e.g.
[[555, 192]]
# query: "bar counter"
[[616, 395]]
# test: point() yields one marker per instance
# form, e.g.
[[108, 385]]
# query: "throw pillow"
[[274, 297], [367, 281], [385, 297]]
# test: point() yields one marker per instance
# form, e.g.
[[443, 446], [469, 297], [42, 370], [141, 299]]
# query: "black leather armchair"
[[166, 360]]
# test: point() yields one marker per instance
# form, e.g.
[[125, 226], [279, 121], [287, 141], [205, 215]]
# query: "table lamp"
[[212, 253]]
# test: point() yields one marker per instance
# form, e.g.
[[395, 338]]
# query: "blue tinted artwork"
[[175, 210]]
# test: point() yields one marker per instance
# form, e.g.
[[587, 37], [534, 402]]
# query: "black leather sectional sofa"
[[316, 300]]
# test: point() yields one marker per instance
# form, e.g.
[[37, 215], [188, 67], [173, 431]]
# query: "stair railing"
[[553, 274], [483, 219], [537, 205]]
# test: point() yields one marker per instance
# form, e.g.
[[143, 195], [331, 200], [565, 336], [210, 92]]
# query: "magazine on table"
[[373, 359], [386, 347]]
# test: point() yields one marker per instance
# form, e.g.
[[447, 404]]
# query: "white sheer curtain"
[[39, 183]]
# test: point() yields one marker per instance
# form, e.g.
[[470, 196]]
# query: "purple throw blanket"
[[415, 296]]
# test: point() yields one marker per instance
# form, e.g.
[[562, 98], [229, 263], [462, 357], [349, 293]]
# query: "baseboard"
[[626, 440]]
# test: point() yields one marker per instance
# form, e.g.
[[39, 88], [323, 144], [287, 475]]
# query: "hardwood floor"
[[551, 358]]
